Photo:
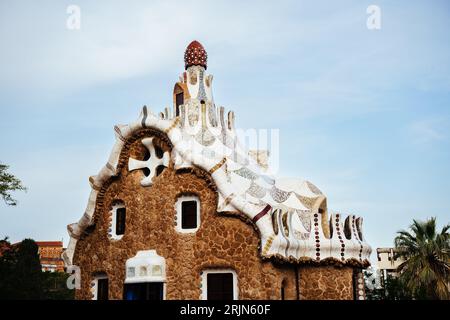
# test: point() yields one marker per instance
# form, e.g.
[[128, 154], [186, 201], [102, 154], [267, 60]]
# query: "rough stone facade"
[[326, 283], [223, 240]]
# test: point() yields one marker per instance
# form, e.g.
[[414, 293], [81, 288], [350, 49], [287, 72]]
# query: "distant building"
[[388, 262], [50, 255]]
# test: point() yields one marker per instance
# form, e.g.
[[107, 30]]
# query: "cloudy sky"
[[364, 114]]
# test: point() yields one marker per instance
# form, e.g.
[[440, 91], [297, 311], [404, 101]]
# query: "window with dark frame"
[[143, 291], [220, 286], [355, 285], [189, 214], [102, 289], [120, 221], [179, 100], [283, 293]]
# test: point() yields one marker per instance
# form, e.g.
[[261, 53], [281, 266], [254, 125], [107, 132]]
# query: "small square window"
[[156, 271], [131, 272], [219, 285], [143, 271]]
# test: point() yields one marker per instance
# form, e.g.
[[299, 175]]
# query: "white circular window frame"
[[180, 200]]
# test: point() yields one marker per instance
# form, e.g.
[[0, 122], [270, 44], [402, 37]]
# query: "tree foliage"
[[22, 277], [395, 289], [426, 270], [390, 288], [20, 270], [9, 183], [55, 287]]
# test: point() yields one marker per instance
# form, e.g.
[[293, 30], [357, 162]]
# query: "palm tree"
[[425, 271]]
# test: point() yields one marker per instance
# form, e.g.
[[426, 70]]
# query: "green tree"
[[395, 289], [55, 286], [21, 276], [20, 270], [7, 262], [28, 272], [8, 183], [426, 270]]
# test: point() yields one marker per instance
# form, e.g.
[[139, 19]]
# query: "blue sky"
[[363, 114]]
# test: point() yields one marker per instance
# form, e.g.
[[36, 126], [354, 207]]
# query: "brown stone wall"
[[221, 241], [326, 283]]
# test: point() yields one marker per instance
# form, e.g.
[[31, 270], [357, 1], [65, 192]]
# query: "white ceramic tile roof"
[[291, 215], [243, 187]]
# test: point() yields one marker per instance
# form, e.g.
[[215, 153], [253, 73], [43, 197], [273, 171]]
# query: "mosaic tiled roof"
[[291, 215]]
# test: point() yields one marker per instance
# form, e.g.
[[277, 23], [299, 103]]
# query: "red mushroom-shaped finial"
[[195, 55]]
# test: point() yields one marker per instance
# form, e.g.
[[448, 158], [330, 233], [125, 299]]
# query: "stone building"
[[388, 262], [182, 211]]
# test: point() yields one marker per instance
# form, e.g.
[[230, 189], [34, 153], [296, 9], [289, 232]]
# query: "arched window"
[[118, 220], [179, 100], [178, 97]]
